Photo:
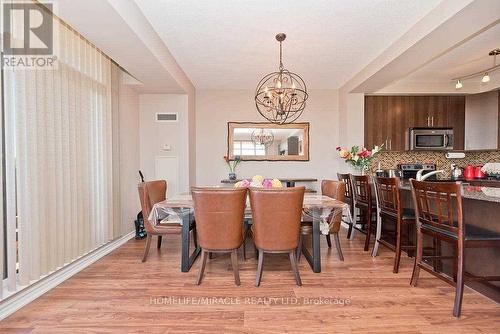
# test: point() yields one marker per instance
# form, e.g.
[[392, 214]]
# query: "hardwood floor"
[[119, 294]]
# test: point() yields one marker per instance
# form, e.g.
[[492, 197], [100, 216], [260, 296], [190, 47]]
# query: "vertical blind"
[[59, 127]]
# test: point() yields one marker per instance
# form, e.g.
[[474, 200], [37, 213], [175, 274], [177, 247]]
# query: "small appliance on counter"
[[409, 171], [474, 172], [478, 173], [456, 172], [469, 173]]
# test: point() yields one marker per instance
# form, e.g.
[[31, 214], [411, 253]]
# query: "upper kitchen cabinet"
[[388, 118], [481, 121]]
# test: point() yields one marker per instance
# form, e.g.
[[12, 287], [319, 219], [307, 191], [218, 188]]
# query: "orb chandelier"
[[484, 73], [281, 96], [262, 137]]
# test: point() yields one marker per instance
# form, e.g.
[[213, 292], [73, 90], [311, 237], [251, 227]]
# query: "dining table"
[[322, 210]]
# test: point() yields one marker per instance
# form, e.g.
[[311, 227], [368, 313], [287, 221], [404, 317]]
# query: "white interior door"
[[167, 168]]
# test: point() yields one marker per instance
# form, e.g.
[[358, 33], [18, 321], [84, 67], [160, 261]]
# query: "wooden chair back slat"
[[346, 178], [361, 189], [389, 199], [439, 205]]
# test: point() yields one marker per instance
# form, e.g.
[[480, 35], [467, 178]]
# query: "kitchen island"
[[481, 208]]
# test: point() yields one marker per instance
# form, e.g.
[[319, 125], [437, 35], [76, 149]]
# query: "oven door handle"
[[446, 141]]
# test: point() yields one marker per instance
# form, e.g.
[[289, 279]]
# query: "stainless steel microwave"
[[430, 139]]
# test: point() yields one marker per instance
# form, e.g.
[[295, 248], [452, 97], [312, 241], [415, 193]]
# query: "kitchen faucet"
[[421, 177]]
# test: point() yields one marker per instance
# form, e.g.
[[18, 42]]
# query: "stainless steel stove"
[[409, 171]]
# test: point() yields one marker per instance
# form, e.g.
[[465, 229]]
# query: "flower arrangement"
[[232, 164], [357, 157], [258, 181]]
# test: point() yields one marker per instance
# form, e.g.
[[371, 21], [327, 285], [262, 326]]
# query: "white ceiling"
[[470, 57], [467, 58], [229, 44]]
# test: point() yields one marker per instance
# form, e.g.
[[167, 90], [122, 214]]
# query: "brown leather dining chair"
[[335, 190], [391, 209], [362, 193], [438, 208], [219, 215], [276, 217], [348, 198], [150, 193]]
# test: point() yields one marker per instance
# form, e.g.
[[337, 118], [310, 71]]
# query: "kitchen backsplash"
[[389, 160]]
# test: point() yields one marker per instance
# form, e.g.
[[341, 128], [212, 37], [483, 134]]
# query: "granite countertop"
[[489, 194]]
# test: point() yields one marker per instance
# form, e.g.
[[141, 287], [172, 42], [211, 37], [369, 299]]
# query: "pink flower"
[[267, 183], [364, 153], [245, 184]]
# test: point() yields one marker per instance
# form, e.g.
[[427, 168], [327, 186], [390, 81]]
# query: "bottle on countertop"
[[456, 172]]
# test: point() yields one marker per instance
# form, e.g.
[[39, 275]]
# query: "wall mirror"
[[268, 142]]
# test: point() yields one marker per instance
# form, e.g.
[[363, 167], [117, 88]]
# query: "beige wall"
[[155, 135], [214, 108], [481, 121], [129, 156]]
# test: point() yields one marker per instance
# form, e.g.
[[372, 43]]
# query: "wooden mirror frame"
[[261, 125]]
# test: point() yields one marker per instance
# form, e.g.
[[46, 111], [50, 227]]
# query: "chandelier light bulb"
[[278, 84], [486, 78], [458, 85]]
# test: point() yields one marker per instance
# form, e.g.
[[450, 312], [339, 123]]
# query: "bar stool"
[[438, 208], [389, 207], [362, 194], [348, 198]]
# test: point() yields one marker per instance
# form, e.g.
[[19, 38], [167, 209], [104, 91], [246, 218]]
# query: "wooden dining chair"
[[150, 193], [438, 208], [219, 215], [389, 208], [362, 194], [349, 199], [335, 190], [276, 224]]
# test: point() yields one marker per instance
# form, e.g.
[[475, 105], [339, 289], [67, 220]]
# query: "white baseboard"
[[31, 292]]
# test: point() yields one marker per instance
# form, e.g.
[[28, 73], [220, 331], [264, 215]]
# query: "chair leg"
[[378, 235], [159, 242], [328, 241], [351, 223], [259, 268], [243, 246], [398, 248], [202, 268], [337, 245], [299, 247], [418, 259], [368, 218], [234, 264], [459, 293], [146, 250], [243, 252], [195, 237], [293, 262]]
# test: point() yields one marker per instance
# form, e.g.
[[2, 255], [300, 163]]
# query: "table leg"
[[316, 243], [315, 259], [187, 260]]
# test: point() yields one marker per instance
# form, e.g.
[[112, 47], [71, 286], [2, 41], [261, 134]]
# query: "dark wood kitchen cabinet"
[[388, 118]]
